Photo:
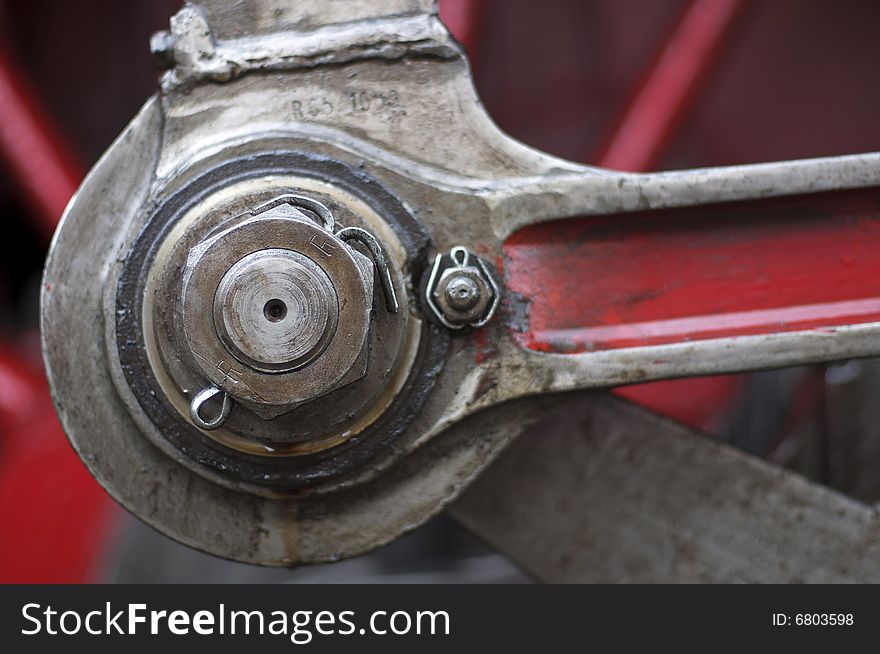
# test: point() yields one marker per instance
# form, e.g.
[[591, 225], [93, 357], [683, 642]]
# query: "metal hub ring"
[[220, 454]]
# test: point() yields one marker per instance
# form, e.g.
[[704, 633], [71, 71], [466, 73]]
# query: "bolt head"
[[462, 292], [463, 295]]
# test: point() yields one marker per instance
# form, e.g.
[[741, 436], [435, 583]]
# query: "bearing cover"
[[288, 428]]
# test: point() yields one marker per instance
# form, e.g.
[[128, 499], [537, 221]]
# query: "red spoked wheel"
[[800, 265]]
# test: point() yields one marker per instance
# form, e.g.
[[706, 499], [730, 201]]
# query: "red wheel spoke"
[[679, 70], [33, 150], [648, 124], [462, 17]]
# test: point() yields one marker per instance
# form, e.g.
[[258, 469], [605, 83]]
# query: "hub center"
[[276, 310]]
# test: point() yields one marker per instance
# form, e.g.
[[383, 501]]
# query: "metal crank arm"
[[604, 491], [285, 314], [690, 273]]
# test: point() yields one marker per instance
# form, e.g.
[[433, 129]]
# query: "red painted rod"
[[656, 277], [57, 520], [33, 151], [671, 83]]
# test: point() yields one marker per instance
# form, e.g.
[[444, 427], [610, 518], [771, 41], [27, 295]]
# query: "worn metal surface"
[[355, 468], [602, 491], [286, 302], [273, 36]]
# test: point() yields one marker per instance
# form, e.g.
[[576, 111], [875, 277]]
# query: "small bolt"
[[462, 292]]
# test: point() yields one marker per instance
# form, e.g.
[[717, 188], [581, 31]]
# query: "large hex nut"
[[276, 310]]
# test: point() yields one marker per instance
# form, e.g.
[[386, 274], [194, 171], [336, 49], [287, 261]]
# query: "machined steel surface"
[[276, 310], [325, 456]]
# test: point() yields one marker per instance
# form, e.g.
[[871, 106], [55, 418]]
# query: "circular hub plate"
[[261, 447], [307, 486]]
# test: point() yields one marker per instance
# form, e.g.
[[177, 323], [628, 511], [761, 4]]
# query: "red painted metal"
[[21, 388], [33, 150], [56, 519], [646, 127], [650, 278], [698, 402], [660, 103]]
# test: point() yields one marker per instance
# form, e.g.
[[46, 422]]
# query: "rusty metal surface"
[[361, 135], [637, 498]]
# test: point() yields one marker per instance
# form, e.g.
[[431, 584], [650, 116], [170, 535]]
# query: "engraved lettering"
[[322, 244], [230, 374]]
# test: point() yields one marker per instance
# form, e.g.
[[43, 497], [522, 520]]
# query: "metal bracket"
[[369, 241]]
